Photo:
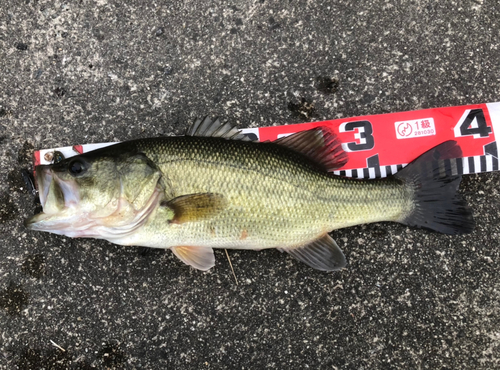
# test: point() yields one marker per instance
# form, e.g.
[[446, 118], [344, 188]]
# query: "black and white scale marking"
[[375, 172], [448, 167]]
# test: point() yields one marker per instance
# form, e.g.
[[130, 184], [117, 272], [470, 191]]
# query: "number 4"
[[472, 123]]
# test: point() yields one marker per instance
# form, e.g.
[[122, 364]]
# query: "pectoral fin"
[[201, 258], [193, 207], [322, 254]]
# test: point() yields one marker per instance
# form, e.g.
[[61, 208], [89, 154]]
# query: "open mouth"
[[56, 196], [43, 181], [66, 213]]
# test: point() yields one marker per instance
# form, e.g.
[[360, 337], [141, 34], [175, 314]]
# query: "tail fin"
[[438, 206]]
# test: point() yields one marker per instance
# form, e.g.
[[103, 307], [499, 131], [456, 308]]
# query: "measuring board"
[[380, 145]]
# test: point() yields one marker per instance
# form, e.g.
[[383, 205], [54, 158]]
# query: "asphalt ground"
[[75, 72]]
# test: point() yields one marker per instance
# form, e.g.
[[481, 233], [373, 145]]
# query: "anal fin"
[[322, 254], [201, 258]]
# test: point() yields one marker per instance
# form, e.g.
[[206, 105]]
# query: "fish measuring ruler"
[[380, 145]]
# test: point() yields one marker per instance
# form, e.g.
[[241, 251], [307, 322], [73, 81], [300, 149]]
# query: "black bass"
[[214, 189]]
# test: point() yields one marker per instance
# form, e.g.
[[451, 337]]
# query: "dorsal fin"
[[319, 144], [207, 127]]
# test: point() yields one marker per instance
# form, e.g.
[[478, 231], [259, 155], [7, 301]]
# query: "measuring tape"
[[380, 145]]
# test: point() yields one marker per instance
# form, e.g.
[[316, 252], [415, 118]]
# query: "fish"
[[215, 188]]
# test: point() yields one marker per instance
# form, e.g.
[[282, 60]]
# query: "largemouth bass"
[[214, 189]]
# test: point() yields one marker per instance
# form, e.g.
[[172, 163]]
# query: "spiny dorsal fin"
[[201, 258], [319, 144], [322, 254], [208, 128], [193, 207]]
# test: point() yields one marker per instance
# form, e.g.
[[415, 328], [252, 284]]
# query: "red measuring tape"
[[380, 145]]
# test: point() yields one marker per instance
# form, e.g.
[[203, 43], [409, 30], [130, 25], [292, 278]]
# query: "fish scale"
[[215, 189], [274, 194]]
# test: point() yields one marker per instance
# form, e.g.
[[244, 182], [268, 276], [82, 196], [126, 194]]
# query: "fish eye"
[[76, 168]]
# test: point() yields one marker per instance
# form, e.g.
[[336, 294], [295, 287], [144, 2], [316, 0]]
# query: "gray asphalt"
[[91, 71]]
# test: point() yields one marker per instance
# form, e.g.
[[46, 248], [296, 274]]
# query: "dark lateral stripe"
[[366, 173], [388, 170], [354, 173], [495, 163], [342, 173], [399, 167]]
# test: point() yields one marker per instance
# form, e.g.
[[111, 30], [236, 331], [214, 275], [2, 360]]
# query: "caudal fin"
[[438, 206]]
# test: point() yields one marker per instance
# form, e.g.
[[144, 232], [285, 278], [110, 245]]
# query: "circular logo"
[[405, 129]]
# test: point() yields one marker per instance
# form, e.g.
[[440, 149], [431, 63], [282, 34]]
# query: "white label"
[[46, 155], [251, 132], [415, 128], [284, 135]]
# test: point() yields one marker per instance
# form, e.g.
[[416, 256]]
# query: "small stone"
[[37, 74], [60, 91], [21, 46], [272, 24], [327, 85]]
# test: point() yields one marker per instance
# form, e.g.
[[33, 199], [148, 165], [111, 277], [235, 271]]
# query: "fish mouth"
[[64, 213], [58, 198], [43, 176]]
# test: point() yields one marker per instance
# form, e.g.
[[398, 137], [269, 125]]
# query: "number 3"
[[364, 134]]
